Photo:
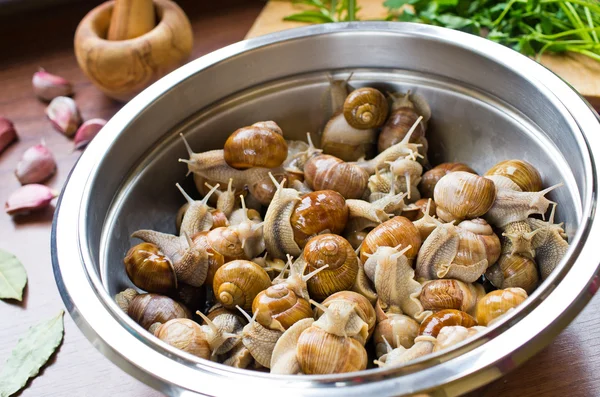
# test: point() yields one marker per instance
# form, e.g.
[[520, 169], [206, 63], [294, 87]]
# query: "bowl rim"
[[168, 369]]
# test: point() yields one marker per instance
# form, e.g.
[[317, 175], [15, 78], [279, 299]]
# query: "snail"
[[432, 325], [238, 282], [271, 266], [212, 166], [225, 200], [148, 309], [383, 183], [363, 285], [461, 195], [190, 261], [432, 177], [393, 277], [423, 345], [356, 238], [523, 174], [336, 252], [497, 303], [337, 92], [297, 280], [409, 169], [197, 217], [239, 357], [185, 335], [517, 239], [259, 145], [451, 294], [221, 329], [454, 334], [259, 341], [426, 223], [299, 153], [398, 231], [549, 242], [326, 172], [419, 209], [513, 206], [219, 219], [403, 115], [214, 259], [397, 329], [513, 271], [365, 215], [316, 212], [150, 269], [179, 217], [365, 108], [463, 252], [278, 307]]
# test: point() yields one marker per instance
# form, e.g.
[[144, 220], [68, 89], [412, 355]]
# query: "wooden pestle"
[[131, 19]]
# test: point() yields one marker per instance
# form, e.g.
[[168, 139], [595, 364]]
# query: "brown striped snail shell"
[[366, 108], [461, 195], [486, 235], [147, 309], [523, 174], [279, 307], [432, 177], [514, 271], [149, 269], [185, 335], [397, 330], [402, 118], [316, 212], [340, 275], [327, 172], [396, 231], [237, 283], [497, 303], [432, 325], [451, 294], [258, 145]]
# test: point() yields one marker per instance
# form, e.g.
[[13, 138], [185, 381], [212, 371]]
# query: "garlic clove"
[[87, 132], [8, 134], [64, 115], [36, 165], [47, 86], [29, 198]]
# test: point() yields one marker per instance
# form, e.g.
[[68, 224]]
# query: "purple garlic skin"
[[47, 86], [64, 115], [87, 132], [29, 198], [36, 165], [8, 134]]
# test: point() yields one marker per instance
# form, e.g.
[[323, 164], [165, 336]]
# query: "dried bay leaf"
[[30, 354], [12, 277]]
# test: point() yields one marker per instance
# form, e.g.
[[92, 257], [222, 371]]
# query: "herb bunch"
[[325, 11]]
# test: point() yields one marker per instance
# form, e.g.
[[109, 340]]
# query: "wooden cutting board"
[[581, 72]]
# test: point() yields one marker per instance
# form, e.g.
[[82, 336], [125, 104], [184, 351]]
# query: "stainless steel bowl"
[[489, 103]]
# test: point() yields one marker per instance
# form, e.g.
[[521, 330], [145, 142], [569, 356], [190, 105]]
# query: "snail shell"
[[401, 119], [336, 252], [461, 195], [523, 174], [284, 360], [279, 307], [316, 212], [185, 335], [147, 309], [486, 235], [150, 269], [215, 259], [219, 219], [398, 330], [327, 172], [319, 352], [449, 317], [451, 294], [238, 282], [365, 108], [498, 302], [432, 177], [343, 141], [256, 146], [396, 231], [226, 242], [514, 271], [124, 298]]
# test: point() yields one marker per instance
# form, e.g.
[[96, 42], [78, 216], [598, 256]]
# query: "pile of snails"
[[301, 260]]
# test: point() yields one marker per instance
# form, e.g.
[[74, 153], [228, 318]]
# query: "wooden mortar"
[[123, 68]]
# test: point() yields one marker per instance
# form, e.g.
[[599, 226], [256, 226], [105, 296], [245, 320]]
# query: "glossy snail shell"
[[215, 260], [391, 233], [486, 235], [238, 282], [256, 146], [147, 309], [325, 172], [525, 175], [263, 189], [279, 307], [316, 212], [498, 302], [401, 119], [225, 241], [432, 325], [185, 335], [319, 352], [430, 178], [340, 275], [461, 195], [149, 269], [219, 219], [398, 330], [451, 294], [356, 238], [514, 271], [366, 108]]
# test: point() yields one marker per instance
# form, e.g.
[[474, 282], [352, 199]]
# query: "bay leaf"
[[30, 354], [12, 277]]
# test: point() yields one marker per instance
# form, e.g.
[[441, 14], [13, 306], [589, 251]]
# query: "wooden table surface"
[[569, 366]]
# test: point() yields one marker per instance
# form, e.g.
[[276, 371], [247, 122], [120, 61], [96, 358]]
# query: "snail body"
[[514, 271], [398, 330], [523, 174], [451, 294], [259, 145], [326, 172], [432, 177], [278, 231], [238, 282], [260, 341], [517, 239], [197, 217], [549, 242], [423, 345], [454, 334], [409, 169], [149, 269], [461, 195], [497, 303], [402, 117], [185, 335]]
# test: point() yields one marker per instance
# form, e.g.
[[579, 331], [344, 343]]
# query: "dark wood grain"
[[569, 366]]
